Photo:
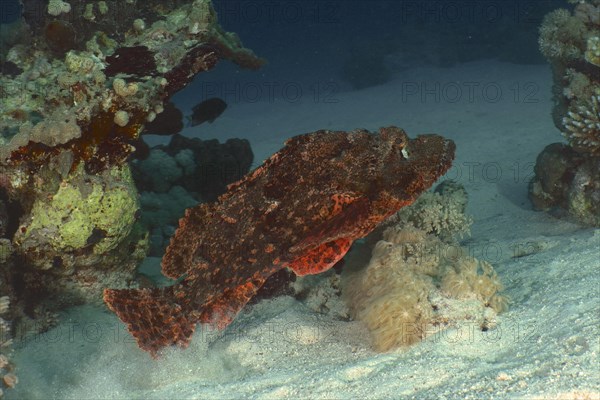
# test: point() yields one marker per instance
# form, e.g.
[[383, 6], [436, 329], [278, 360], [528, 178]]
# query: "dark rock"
[[60, 37], [168, 122], [567, 181], [3, 219], [135, 60], [9, 68]]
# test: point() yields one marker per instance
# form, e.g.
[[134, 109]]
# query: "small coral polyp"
[[592, 53]]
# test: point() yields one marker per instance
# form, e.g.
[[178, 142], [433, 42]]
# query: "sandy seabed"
[[545, 347]]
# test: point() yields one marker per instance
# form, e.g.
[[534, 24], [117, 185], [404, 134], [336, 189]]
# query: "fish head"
[[411, 166]]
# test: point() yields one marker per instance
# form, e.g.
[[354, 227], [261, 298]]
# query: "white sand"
[[546, 345]]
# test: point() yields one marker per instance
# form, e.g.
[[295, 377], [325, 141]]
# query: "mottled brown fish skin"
[[301, 209]]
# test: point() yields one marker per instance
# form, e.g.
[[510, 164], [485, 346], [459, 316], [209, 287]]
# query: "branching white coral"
[[583, 126], [439, 213]]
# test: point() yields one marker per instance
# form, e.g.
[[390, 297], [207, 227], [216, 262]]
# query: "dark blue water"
[[348, 44]]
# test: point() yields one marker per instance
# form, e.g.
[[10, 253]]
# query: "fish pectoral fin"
[[222, 308], [152, 316], [343, 225], [321, 258], [330, 241]]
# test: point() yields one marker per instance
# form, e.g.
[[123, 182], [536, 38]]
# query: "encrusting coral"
[[302, 209], [417, 284], [108, 84], [92, 211]]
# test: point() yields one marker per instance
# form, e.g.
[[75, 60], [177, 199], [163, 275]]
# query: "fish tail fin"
[[152, 316]]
